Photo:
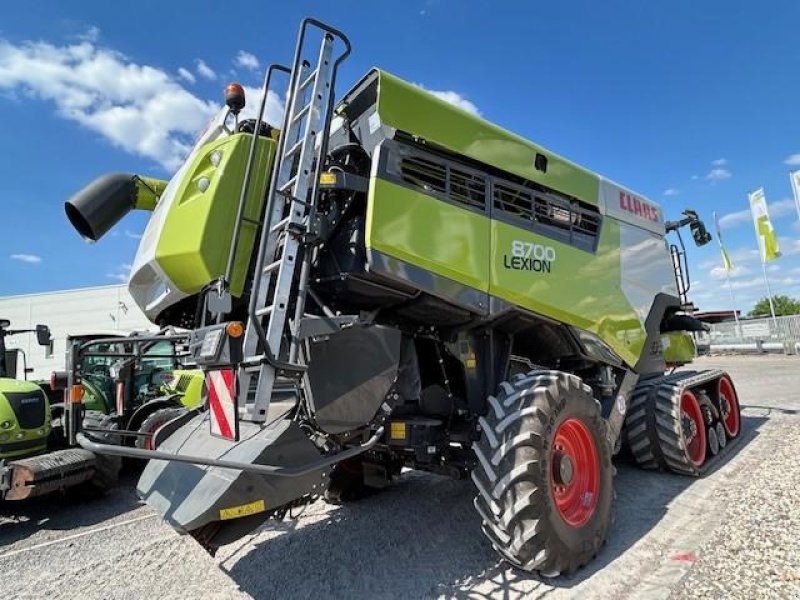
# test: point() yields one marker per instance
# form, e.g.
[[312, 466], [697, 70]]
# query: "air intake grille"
[[440, 178], [28, 407]]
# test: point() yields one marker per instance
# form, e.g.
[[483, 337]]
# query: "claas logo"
[[637, 206]]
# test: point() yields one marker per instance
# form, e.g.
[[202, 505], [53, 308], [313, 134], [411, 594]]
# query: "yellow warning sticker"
[[327, 178], [234, 512], [397, 430]]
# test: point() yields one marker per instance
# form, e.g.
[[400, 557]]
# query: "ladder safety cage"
[[289, 210]]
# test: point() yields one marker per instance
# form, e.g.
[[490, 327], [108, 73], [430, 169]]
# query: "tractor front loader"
[[388, 281]]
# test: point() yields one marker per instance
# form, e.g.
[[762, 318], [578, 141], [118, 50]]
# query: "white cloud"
[[204, 70], [122, 273], [27, 258], [273, 111], [718, 174], [671, 192], [133, 235], [138, 108], [695, 177], [246, 60], [186, 75], [778, 209], [92, 34], [719, 273], [792, 160], [453, 98], [720, 162]]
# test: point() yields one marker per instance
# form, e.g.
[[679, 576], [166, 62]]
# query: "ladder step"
[[308, 80], [280, 225], [294, 149], [263, 312], [288, 185], [271, 267], [302, 113]]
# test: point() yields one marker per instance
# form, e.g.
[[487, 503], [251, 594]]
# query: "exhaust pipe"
[[99, 206]]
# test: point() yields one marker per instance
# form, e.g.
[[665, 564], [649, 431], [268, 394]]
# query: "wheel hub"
[[564, 469]]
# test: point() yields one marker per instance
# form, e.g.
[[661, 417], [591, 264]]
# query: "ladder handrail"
[[293, 83], [248, 171]]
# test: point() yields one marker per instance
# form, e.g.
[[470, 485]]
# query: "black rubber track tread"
[[653, 431], [512, 475]]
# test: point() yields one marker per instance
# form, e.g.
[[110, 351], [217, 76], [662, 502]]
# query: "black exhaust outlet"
[[101, 204]]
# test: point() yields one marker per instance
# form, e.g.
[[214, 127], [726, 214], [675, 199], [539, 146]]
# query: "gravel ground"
[[734, 533]]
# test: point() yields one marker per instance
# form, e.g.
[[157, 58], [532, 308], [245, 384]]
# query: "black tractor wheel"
[[155, 421], [106, 467], [544, 473]]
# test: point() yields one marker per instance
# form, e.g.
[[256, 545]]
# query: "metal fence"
[[761, 335]]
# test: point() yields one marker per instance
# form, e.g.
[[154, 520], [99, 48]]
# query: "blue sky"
[[692, 104]]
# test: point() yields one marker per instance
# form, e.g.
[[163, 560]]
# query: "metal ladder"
[[291, 201]]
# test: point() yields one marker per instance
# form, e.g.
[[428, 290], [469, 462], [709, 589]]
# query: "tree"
[[784, 305]]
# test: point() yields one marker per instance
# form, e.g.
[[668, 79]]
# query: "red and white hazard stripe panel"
[[222, 403]]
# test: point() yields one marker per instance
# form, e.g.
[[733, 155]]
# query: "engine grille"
[[29, 408]]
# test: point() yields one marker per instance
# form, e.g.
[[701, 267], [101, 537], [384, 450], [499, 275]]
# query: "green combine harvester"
[[387, 281]]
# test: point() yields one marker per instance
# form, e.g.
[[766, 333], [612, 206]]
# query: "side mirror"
[[44, 338], [700, 233]]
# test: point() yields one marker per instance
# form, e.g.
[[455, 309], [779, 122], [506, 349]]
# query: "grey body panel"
[[349, 374], [190, 496]]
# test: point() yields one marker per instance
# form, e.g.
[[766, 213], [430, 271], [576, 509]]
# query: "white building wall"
[[105, 309]]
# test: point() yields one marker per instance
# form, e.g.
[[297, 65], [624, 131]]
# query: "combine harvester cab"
[[429, 291]]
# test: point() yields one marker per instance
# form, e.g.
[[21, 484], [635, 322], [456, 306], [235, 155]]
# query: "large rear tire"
[[153, 423], [544, 473]]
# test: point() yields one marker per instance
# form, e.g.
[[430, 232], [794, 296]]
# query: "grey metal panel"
[[646, 268], [436, 285], [189, 496]]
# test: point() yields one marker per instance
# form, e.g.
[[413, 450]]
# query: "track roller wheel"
[[729, 406], [713, 440], [544, 476], [721, 435]]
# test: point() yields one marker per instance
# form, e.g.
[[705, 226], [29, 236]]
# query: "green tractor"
[[24, 406], [390, 282], [116, 388]]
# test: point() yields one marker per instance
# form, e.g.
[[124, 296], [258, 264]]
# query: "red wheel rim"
[[729, 404], [574, 472], [694, 429]]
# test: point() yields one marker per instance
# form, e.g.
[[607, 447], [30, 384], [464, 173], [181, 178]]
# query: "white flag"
[[794, 177]]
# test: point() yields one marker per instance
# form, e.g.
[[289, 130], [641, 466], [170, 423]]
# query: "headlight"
[[215, 158], [20, 435], [203, 183], [211, 343], [6, 424], [4, 437]]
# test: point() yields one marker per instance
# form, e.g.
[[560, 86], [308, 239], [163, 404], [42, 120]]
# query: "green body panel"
[[408, 108], [581, 289], [188, 383], [429, 233], [148, 191], [12, 432], [679, 347], [196, 237], [94, 397]]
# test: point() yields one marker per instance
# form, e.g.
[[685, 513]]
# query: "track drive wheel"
[[544, 474], [665, 429], [729, 406], [153, 422]]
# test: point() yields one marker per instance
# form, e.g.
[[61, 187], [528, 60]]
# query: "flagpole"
[[769, 295], [733, 303]]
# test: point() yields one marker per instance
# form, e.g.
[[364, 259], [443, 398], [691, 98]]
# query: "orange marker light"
[[77, 394], [234, 97], [235, 329]]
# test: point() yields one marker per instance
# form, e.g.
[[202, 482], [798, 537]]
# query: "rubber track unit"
[[513, 480], [653, 430]]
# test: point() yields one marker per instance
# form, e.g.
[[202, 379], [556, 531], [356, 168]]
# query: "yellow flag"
[[727, 263], [767, 239]]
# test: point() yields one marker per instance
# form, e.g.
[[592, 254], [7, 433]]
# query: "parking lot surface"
[[734, 533]]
